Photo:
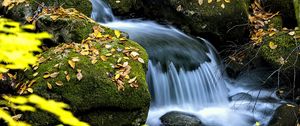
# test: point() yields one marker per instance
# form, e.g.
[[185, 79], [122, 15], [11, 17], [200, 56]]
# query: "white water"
[[185, 75]]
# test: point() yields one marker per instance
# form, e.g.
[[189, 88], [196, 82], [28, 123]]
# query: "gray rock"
[[175, 118], [285, 115]]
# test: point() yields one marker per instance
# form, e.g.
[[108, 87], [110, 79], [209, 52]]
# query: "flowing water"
[[184, 74]]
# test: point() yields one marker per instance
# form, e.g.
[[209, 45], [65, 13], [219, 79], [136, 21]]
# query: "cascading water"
[[185, 75]]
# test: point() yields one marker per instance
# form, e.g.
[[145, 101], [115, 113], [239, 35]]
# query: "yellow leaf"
[[272, 45], [227, 1], [209, 1], [223, 5], [71, 63], [47, 75], [35, 74], [103, 58], [68, 77], [117, 33], [257, 124], [30, 90], [132, 80], [75, 59], [59, 83], [54, 17], [49, 85], [108, 54], [117, 76]]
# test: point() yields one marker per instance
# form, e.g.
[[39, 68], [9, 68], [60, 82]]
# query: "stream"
[[186, 74]]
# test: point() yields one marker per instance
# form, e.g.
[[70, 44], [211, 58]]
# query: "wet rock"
[[285, 115], [176, 118], [241, 96]]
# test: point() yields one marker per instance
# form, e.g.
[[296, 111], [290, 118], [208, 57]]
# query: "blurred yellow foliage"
[[31, 102], [17, 46]]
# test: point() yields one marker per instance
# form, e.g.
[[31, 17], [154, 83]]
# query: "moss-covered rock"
[[97, 98], [125, 6], [84, 6], [229, 22], [285, 115], [286, 9], [65, 29], [286, 51]]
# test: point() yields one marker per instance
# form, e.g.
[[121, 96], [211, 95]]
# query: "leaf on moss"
[[141, 60], [72, 64], [59, 83], [117, 33], [30, 90], [200, 2], [49, 85], [53, 75], [103, 58], [209, 1], [79, 74], [272, 45], [68, 77]]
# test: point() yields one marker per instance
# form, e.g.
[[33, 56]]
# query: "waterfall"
[[184, 74]]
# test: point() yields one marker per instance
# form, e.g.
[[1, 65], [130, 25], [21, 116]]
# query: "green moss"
[[84, 6], [286, 48], [96, 91], [276, 22]]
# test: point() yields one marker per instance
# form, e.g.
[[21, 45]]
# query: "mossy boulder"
[[28, 9], [96, 98], [65, 29], [229, 22], [124, 7], [286, 52], [285, 115], [286, 9]]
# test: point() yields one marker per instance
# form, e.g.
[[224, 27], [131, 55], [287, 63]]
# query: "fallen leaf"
[[200, 2], [108, 46], [103, 58], [17, 117], [117, 33], [209, 1], [227, 1], [34, 75], [108, 54], [59, 83], [30, 90], [54, 17], [132, 80], [272, 45], [117, 76], [94, 61], [75, 59], [68, 77], [141, 60], [223, 5], [125, 64], [134, 54], [53, 75], [292, 33], [71, 63], [49, 85], [46, 75], [79, 74]]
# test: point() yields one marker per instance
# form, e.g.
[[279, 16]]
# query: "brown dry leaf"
[[281, 60], [71, 63], [12, 76], [53, 75], [79, 74], [108, 46], [103, 58], [141, 60], [16, 117], [68, 77], [10, 3], [30, 90], [59, 83], [49, 85], [272, 45], [31, 83], [94, 61], [54, 17], [1, 76]]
